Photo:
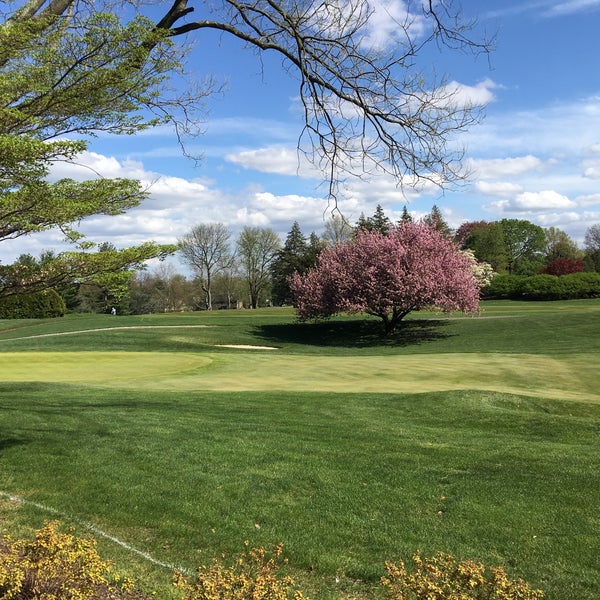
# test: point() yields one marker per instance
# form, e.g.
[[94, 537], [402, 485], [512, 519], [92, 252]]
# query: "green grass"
[[348, 448]]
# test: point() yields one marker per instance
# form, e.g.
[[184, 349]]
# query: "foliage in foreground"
[[443, 577], [254, 576], [59, 566]]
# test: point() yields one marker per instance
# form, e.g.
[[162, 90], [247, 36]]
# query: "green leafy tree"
[[256, 250], [486, 240], [592, 248], [525, 244], [60, 77], [560, 245]]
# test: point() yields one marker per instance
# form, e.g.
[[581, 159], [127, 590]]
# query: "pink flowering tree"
[[413, 267]]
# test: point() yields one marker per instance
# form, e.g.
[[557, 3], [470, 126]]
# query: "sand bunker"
[[245, 347]]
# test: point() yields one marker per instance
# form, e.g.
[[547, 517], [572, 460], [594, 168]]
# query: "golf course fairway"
[[565, 377]]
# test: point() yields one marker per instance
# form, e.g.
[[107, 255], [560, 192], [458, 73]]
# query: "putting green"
[[565, 377]]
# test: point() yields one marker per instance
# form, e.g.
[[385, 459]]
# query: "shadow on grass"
[[353, 333], [6, 443]]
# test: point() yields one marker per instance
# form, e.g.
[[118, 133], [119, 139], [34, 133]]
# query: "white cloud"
[[588, 200], [89, 165], [547, 199], [527, 202], [277, 160], [266, 209], [460, 94], [591, 169], [251, 218], [391, 20], [572, 7], [502, 167], [498, 188]]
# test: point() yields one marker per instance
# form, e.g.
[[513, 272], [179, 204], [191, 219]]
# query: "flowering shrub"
[[482, 271], [442, 577], [56, 566], [253, 576]]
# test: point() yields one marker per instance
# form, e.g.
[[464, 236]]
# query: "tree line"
[[254, 269]]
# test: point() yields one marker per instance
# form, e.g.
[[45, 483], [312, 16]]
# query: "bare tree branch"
[[369, 104], [366, 108]]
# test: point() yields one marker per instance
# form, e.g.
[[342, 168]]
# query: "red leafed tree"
[[388, 276], [563, 266]]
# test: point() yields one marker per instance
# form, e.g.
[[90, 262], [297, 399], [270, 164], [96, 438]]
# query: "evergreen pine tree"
[[291, 258]]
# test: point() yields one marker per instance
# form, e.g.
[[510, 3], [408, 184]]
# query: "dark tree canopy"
[[378, 222], [291, 258], [436, 220], [296, 256]]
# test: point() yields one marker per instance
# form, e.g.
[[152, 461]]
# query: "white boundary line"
[[94, 529], [41, 335]]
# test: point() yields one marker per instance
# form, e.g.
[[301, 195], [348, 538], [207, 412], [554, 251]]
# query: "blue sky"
[[535, 155]]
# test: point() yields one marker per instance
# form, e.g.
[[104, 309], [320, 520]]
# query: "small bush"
[[40, 305], [442, 577], [504, 286], [57, 566], [253, 576]]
